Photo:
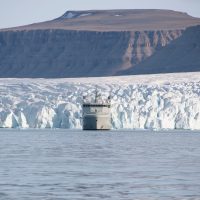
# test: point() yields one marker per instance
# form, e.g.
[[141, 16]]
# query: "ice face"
[[137, 102]]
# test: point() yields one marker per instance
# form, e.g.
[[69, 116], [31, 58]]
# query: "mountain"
[[96, 43]]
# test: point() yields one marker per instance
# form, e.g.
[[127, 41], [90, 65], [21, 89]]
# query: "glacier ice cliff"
[[169, 101]]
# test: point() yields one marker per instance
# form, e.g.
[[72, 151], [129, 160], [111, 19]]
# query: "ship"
[[96, 113]]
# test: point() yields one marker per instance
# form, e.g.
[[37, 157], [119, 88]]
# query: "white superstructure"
[[96, 114]]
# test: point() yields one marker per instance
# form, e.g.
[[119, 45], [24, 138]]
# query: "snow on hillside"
[[73, 14], [68, 15], [168, 101]]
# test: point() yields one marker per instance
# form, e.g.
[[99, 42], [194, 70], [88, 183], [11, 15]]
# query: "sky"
[[21, 12]]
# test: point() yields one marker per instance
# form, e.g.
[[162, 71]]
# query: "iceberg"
[[163, 101]]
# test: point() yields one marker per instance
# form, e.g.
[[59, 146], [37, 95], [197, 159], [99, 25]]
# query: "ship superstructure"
[[96, 113]]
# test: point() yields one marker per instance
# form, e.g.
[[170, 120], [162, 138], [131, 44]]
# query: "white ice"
[[85, 14], [168, 101], [68, 15]]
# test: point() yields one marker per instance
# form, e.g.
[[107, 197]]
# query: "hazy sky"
[[20, 12]]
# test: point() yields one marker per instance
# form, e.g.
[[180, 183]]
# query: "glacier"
[[162, 101]]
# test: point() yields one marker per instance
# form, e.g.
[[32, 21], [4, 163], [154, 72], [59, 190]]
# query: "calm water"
[[61, 164]]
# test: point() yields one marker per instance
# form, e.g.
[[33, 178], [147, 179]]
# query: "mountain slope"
[[181, 55]]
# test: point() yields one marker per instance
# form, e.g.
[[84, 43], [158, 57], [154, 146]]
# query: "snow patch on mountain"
[[169, 101], [85, 14], [68, 15], [74, 14]]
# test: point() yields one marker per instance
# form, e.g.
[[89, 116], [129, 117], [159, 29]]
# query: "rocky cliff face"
[[181, 55], [91, 43], [61, 53], [143, 45]]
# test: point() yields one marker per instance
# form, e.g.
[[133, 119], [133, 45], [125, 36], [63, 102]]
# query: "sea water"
[[63, 164]]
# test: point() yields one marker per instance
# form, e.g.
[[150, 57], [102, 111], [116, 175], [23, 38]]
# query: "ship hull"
[[96, 122]]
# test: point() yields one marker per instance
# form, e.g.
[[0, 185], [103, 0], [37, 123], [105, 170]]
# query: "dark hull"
[[96, 122]]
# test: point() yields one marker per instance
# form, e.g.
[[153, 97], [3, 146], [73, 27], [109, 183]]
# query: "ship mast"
[[96, 94]]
